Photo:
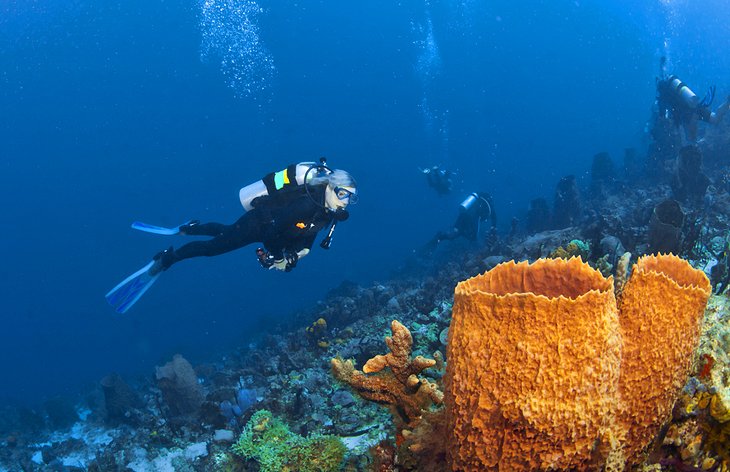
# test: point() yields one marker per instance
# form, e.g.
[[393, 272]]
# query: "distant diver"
[[475, 208], [676, 101], [284, 212], [439, 179]]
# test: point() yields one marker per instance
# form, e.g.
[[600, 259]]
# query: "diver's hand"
[[279, 264], [289, 261]]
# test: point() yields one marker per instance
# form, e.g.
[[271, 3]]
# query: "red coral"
[[707, 366]]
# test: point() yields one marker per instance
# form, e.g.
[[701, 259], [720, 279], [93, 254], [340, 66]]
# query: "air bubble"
[[231, 39]]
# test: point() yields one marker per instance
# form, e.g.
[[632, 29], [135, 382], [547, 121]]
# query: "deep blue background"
[[109, 115]]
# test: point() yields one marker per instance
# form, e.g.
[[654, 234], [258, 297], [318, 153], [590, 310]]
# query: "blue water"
[[160, 111]]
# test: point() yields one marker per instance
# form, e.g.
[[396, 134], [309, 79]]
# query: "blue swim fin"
[[147, 228], [126, 294]]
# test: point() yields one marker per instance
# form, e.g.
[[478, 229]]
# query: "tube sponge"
[[662, 308], [533, 366], [545, 371]]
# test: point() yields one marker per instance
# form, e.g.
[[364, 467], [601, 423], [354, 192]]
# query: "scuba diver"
[[676, 101], [475, 208], [284, 211], [439, 179]]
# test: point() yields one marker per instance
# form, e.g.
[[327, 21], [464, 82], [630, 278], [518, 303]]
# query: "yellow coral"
[[399, 358], [316, 333], [317, 328], [574, 248], [719, 410]]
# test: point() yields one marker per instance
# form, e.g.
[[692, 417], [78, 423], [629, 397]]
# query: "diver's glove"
[[287, 263], [279, 264]]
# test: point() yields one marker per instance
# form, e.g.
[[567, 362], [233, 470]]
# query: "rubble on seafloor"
[[189, 417]]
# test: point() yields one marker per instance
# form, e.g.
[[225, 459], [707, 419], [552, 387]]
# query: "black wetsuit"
[[439, 180], [670, 102], [685, 115], [284, 224], [468, 222]]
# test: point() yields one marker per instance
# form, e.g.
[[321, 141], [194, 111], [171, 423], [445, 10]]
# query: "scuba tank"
[[468, 202], [477, 208], [295, 175], [683, 92], [471, 200]]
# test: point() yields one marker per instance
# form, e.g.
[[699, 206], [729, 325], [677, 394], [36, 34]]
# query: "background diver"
[[676, 101], [475, 208], [284, 211], [439, 179]]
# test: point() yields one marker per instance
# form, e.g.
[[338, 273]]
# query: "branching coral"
[[393, 379], [396, 380]]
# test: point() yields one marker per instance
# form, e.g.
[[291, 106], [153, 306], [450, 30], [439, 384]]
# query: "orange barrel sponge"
[[661, 312], [533, 357]]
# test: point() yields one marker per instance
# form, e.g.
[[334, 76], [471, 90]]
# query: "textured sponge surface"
[[546, 372], [533, 366]]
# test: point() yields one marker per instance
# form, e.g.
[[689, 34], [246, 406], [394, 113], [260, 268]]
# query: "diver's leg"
[[690, 131], [440, 236], [194, 228], [228, 238]]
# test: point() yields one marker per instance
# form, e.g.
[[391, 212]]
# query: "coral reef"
[[120, 400], [705, 404], [179, 385], [286, 369], [665, 227], [269, 441], [575, 248], [688, 181], [291, 377]]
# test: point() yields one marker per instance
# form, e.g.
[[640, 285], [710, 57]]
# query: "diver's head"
[[341, 189]]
